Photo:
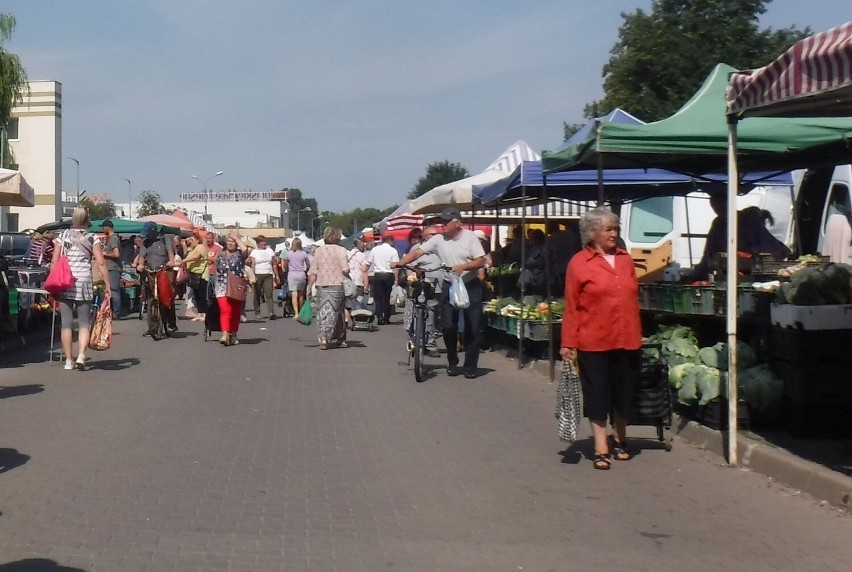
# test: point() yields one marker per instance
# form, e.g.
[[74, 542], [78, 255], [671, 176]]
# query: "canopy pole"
[[731, 317], [688, 229], [523, 239], [550, 356], [599, 165]]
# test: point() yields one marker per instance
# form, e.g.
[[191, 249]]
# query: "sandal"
[[601, 462], [620, 452]]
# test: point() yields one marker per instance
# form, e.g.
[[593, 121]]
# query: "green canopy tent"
[[124, 226], [696, 139]]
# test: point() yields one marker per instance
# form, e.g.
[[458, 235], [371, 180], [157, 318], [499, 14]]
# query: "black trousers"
[[382, 285], [609, 380], [472, 324]]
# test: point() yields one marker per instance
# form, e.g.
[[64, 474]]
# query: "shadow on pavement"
[[253, 341], [113, 364], [36, 565], [11, 459], [836, 454], [19, 390], [577, 451]]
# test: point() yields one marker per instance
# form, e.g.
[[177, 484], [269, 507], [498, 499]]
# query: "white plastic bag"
[[458, 293], [397, 297]]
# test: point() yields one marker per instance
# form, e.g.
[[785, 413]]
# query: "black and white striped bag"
[[568, 411]]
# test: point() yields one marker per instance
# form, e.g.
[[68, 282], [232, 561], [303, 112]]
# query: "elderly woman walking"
[[602, 331], [231, 263], [199, 274], [329, 267], [80, 247]]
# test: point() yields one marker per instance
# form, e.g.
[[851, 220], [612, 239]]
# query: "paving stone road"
[[275, 456]]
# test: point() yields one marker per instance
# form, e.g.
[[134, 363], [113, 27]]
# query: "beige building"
[[35, 137]]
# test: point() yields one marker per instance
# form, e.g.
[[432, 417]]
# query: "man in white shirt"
[[384, 277], [261, 260], [461, 251]]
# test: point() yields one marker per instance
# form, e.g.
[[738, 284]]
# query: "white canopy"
[[14, 190], [460, 193]]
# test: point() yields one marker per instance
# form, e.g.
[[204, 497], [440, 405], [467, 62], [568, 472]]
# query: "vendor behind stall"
[[752, 236]]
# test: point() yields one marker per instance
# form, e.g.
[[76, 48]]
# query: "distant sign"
[[232, 196]]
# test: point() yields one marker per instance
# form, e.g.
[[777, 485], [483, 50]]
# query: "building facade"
[[35, 137]]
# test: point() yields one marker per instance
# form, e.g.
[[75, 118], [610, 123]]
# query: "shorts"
[[297, 283]]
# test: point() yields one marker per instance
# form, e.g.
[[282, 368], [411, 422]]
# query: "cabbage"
[[695, 382], [717, 356], [762, 389]]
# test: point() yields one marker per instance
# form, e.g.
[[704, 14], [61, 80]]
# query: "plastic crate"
[[815, 385], [811, 349], [702, 299], [538, 331], [681, 299], [646, 296]]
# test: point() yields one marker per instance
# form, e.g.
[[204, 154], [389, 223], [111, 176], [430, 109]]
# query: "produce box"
[[714, 414], [538, 331], [812, 349], [816, 384], [681, 299], [701, 298], [830, 317]]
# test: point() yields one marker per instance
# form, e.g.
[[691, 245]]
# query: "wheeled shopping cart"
[[652, 403]]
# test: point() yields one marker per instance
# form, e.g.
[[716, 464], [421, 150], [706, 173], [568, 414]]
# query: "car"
[[14, 246]]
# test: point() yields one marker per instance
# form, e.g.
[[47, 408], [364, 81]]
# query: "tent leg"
[[731, 318], [550, 357], [523, 238]]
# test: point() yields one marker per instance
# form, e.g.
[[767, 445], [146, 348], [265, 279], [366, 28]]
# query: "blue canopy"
[[620, 184]]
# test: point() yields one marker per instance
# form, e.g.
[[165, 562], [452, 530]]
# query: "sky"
[[348, 101]]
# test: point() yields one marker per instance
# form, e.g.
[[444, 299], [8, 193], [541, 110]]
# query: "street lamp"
[[299, 217], [316, 218], [129, 200], [78, 176], [205, 183]]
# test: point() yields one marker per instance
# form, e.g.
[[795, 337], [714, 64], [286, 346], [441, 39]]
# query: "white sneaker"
[[243, 319], [81, 363], [69, 364]]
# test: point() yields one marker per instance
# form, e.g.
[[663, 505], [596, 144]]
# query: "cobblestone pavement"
[[274, 455]]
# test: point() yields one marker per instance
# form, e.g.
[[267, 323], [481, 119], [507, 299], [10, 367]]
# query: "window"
[[651, 219], [12, 129], [12, 222], [838, 203]]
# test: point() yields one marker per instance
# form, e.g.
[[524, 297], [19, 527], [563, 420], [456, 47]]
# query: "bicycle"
[[152, 303], [420, 293]]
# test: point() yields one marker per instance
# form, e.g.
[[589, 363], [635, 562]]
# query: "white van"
[[818, 199], [669, 232]]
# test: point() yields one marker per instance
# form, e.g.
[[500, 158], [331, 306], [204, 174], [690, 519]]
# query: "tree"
[[569, 129], [438, 174], [13, 81], [661, 58], [354, 220], [149, 204], [99, 210], [297, 204]]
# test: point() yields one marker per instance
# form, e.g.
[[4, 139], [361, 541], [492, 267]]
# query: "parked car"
[[14, 246]]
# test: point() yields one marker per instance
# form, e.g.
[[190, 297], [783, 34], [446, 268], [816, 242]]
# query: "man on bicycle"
[[156, 255], [460, 250]]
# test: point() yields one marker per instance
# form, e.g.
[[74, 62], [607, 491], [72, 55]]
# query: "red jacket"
[[601, 303]]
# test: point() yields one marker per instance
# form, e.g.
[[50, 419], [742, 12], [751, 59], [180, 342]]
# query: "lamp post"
[[299, 217], [315, 219], [205, 182], [78, 176], [129, 200]]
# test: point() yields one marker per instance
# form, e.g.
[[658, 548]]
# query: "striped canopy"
[[812, 78]]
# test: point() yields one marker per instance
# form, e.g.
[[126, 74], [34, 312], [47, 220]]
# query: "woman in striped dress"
[[80, 247]]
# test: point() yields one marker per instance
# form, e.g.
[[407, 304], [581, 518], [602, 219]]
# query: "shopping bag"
[[458, 293], [349, 288], [165, 293], [182, 276], [568, 411], [59, 279], [101, 333], [306, 313], [398, 296]]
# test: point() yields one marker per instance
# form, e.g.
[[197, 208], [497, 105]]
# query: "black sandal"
[[601, 462], [620, 452]]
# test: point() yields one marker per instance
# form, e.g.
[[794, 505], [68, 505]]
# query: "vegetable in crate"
[[762, 389], [695, 383], [717, 356], [812, 286]]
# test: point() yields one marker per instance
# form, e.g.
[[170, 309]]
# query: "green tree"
[[569, 129], [354, 220], [662, 57], [150, 203], [438, 174], [99, 210], [299, 203], [13, 81]]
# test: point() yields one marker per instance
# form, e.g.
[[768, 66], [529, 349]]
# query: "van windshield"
[[651, 219]]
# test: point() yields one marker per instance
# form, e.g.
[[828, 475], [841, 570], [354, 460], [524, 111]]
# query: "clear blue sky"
[[349, 101]]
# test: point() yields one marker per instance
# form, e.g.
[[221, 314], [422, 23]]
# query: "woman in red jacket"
[[602, 331]]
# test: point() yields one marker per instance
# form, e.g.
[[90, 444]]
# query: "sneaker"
[[274, 316], [224, 339], [342, 344], [80, 363], [470, 374], [234, 341], [69, 364], [453, 370], [243, 319]]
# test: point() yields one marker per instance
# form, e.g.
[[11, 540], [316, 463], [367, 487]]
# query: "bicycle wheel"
[[419, 343], [156, 319]]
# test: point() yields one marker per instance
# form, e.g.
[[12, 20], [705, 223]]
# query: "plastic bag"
[[398, 297], [101, 333], [458, 293], [306, 313]]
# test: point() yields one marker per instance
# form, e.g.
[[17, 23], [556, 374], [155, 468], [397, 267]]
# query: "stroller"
[[363, 313], [211, 318]]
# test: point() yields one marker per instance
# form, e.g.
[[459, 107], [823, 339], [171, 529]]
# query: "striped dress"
[[77, 245]]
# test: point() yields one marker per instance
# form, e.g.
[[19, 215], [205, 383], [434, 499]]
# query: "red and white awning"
[[812, 78]]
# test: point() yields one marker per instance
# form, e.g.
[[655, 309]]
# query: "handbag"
[[306, 313], [182, 276], [349, 288], [101, 333], [236, 287], [568, 412], [60, 277]]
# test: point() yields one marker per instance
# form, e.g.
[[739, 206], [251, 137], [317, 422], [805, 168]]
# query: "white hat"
[[480, 234]]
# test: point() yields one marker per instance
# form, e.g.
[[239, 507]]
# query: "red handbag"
[[60, 278], [165, 294]]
